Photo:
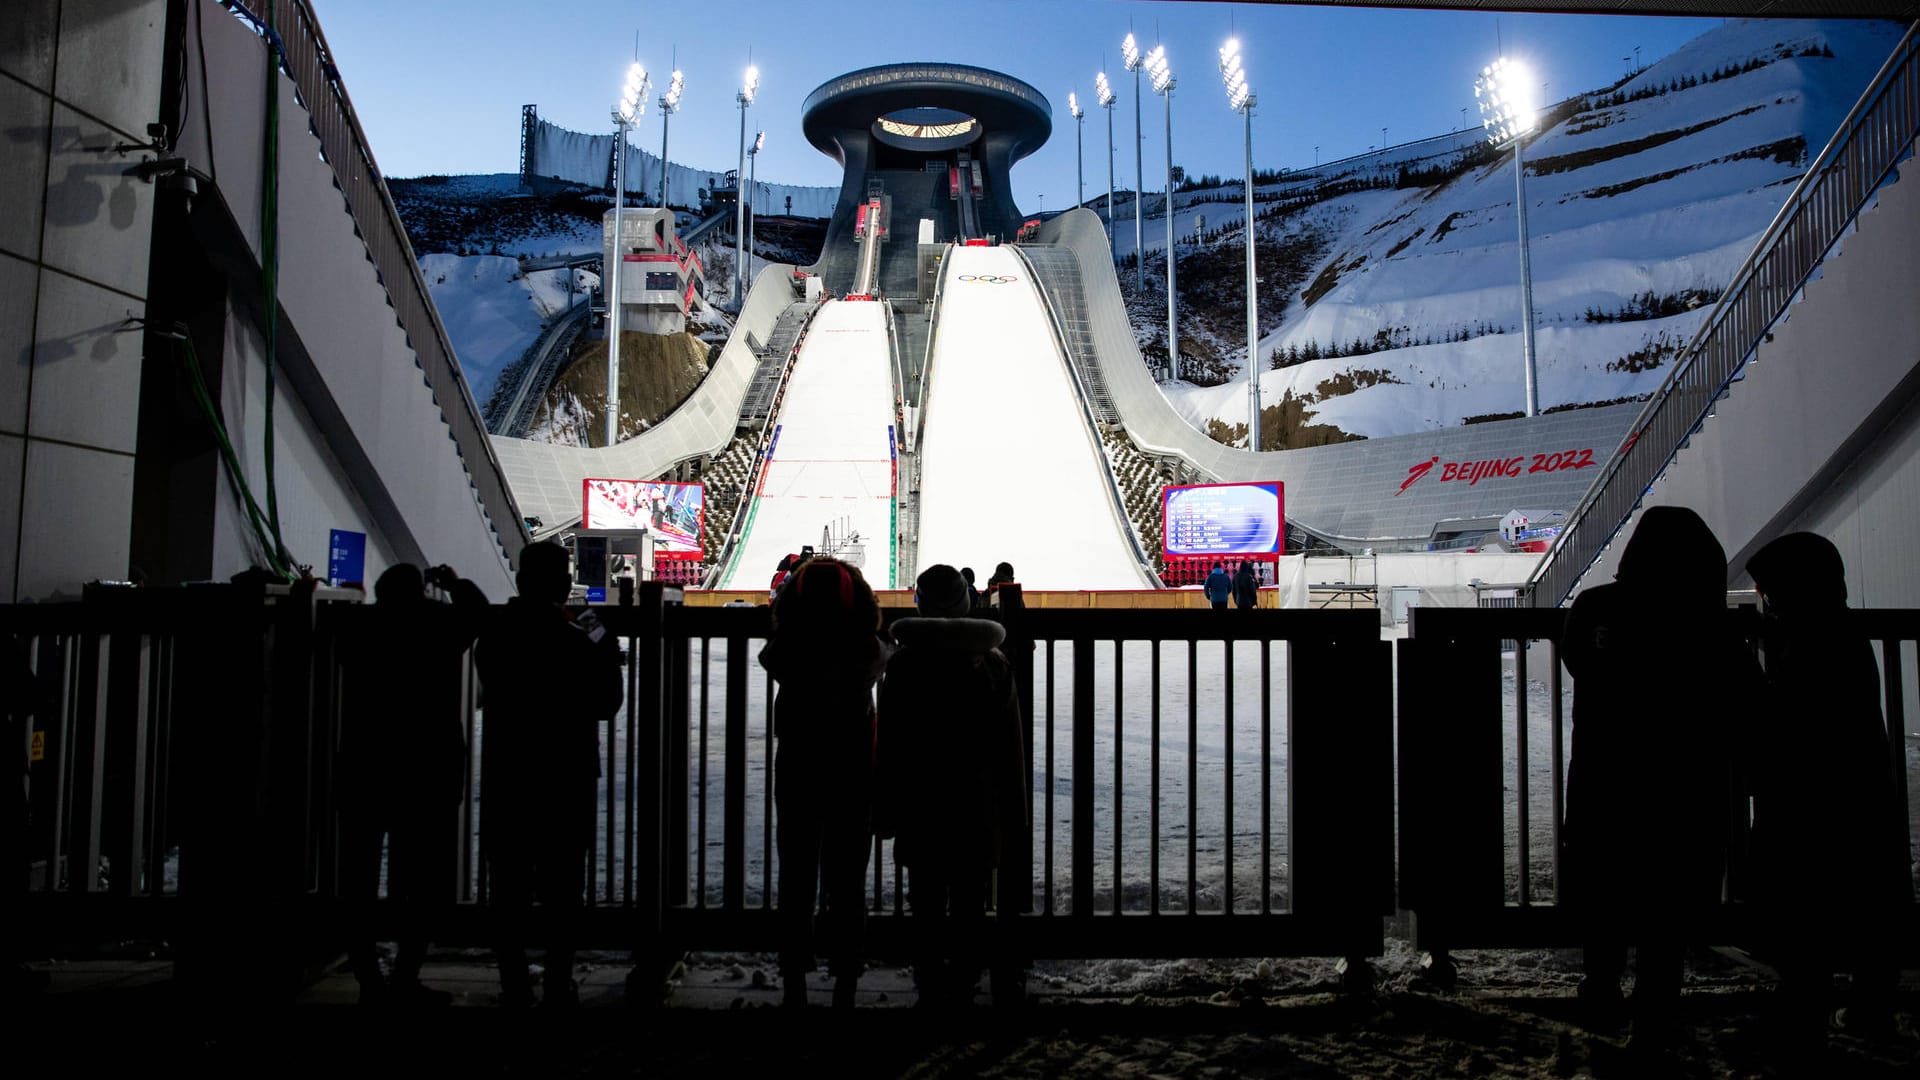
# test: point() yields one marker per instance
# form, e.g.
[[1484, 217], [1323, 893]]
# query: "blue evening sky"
[[439, 84]]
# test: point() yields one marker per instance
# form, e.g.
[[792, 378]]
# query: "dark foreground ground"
[[1262, 1019]]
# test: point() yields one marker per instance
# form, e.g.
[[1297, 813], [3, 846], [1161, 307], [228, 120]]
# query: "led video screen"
[[674, 513], [1222, 519]]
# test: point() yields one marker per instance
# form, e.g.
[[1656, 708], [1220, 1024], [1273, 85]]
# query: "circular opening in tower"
[[926, 129]]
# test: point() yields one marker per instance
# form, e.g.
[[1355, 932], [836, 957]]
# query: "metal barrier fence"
[[1203, 783], [1484, 722], [1877, 134]]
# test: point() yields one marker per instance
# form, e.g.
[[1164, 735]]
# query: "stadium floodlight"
[[1103, 93], [1505, 92], [748, 88], [1130, 55], [633, 98], [633, 103], [1163, 81], [669, 104], [1079, 159], [1157, 70], [1241, 99]]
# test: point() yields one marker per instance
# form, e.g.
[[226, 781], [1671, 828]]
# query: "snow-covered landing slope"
[[832, 461], [1008, 470]]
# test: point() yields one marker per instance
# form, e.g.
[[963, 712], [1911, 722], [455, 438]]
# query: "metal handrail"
[[310, 65], [1876, 134]]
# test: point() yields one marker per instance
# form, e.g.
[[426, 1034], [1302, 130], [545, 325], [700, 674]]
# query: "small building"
[[658, 274]]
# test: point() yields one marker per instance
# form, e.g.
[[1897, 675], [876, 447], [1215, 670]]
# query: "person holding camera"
[[404, 762], [552, 680]]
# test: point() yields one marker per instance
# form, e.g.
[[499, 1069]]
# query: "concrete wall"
[[76, 78], [1820, 432], [362, 443]]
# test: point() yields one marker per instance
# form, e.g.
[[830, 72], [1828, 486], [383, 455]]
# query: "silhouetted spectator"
[[825, 654], [1219, 588], [552, 680], [1246, 590], [1828, 843], [974, 599], [952, 779], [404, 756], [787, 563], [1002, 575], [1657, 669]]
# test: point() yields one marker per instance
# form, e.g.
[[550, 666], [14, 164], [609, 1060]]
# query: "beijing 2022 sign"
[[1222, 519]]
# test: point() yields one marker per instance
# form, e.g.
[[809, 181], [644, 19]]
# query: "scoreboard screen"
[[1222, 519]]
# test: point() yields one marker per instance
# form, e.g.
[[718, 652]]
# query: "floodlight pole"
[[1139, 192], [753, 189], [1079, 159], [613, 279], [1173, 301], [1526, 277], [666, 121], [1510, 114], [740, 211], [1109, 110], [1253, 299]]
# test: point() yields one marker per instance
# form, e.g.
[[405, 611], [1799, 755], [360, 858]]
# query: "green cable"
[[198, 383]]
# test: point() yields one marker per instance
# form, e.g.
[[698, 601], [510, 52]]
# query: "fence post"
[[648, 736], [1013, 894], [1083, 780], [1340, 783], [1452, 857]]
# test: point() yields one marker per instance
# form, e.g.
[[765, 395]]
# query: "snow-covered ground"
[[493, 313], [1665, 195], [1008, 469], [831, 463]]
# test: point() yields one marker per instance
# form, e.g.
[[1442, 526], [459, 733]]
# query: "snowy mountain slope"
[[492, 311], [1636, 208]]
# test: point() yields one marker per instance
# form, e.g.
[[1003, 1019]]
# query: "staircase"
[[1855, 169]]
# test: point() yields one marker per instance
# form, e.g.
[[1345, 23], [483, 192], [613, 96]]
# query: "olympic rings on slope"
[[990, 279]]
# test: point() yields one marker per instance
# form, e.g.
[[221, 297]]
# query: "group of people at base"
[[1678, 730], [551, 680], [940, 768], [1241, 587], [1684, 745]]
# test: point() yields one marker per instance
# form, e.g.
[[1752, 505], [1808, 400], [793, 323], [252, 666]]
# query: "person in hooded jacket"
[[1002, 575], [953, 777], [1218, 588], [1657, 670], [825, 653], [1246, 589], [1829, 849]]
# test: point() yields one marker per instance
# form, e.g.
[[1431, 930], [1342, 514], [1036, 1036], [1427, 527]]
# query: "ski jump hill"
[[946, 402]]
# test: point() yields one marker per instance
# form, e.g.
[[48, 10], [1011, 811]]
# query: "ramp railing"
[[1876, 135]]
